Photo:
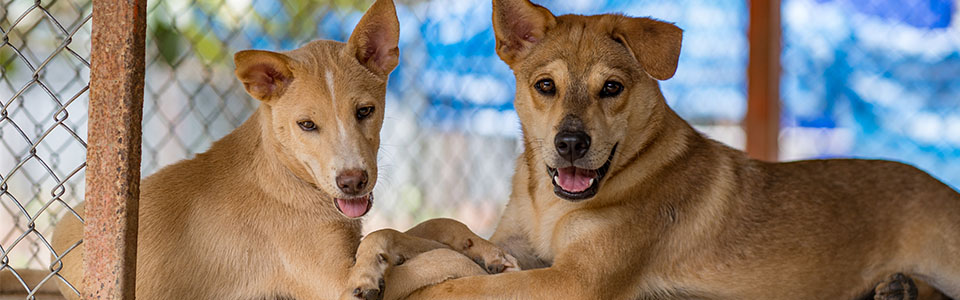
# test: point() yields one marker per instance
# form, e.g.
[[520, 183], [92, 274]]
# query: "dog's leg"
[[379, 251], [897, 287], [458, 237], [432, 267], [545, 283]]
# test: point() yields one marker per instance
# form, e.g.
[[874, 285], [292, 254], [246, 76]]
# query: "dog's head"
[[322, 105], [587, 86]]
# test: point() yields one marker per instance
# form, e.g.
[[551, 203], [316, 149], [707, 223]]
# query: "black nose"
[[352, 182], [572, 145]]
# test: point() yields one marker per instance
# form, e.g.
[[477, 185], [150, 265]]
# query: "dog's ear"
[[655, 44], [374, 40], [264, 74], [519, 25]]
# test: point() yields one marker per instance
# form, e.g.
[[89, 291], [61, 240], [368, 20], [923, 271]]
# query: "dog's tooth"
[[556, 178], [591, 182]]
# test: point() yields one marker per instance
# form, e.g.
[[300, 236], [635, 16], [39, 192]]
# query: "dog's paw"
[[500, 263], [512, 265], [490, 257], [370, 289], [366, 279], [897, 287]]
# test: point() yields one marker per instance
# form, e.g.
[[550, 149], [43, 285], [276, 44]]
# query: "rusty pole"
[[762, 124], [113, 155]]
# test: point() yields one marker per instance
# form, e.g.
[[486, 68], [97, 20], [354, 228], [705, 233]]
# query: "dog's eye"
[[364, 112], [307, 125], [546, 87], [611, 89]]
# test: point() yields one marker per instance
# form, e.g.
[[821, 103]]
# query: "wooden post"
[[113, 155], [762, 124]]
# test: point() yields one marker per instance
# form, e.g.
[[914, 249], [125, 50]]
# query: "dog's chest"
[[559, 225], [278, 252], [544, 228]]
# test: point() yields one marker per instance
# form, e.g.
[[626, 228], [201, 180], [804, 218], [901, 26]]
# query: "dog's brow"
[[545, 67], [333, 96], [333, 99], [620, 69], [551, 67]]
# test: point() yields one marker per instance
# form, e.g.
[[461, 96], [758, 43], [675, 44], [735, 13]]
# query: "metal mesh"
[[43, 55], [861, 77], [450, 136]]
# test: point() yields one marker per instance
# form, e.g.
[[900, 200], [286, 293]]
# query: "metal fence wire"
[[44, 58], [451, 135], [447, 149]]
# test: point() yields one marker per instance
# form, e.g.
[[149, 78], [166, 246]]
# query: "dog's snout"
[[572, 145], [352, 182]]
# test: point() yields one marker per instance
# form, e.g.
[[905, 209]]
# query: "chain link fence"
[[45, 75], [863, 78], [450, 136]]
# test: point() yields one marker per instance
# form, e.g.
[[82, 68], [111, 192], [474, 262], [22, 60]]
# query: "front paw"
[[897, 287], [498, 262], [366, 278], [491, 258], [366, 288]]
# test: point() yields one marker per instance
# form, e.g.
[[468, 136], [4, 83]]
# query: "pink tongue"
[[574, 180], [354, 207]]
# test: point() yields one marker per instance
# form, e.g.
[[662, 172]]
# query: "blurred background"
[[860, 78]]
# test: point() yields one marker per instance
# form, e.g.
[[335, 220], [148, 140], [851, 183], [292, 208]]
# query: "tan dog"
[[256, 216], [617, 197]]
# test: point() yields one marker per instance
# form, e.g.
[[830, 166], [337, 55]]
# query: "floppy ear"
[[374, 40], [518, 25], [264, 74], [655, 44]]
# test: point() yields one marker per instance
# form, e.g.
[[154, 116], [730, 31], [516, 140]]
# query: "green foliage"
[[177, 34], [168, 41], [8, 61]]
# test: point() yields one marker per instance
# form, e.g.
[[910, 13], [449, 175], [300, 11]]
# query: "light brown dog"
[[617, 197], [271, 210]]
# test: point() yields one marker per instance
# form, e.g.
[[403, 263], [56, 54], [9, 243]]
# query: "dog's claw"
[[897, 287]]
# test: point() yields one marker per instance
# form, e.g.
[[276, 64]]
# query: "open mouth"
[[354, 207], [575, 184]]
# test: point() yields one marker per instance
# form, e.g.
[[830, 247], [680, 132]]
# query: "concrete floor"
[[11, 289], [39, 297]]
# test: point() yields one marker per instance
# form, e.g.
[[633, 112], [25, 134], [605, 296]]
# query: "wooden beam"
[[762, 124], [113, 155]]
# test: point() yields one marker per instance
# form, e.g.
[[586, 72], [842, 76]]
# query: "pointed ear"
[[518, 25], [655, 44], [264, 74], [374, 40]]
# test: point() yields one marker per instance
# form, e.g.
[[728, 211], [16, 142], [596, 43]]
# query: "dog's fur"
[[677, 215], [256, 216]]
